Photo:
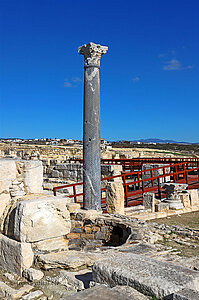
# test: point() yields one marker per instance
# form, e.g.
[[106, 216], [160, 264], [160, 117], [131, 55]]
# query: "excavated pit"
[[100, 233]]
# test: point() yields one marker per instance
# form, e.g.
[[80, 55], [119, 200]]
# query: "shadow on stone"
[[85, 278]]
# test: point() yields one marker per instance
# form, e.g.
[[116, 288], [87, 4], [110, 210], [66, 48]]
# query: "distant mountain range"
[[159, 141]]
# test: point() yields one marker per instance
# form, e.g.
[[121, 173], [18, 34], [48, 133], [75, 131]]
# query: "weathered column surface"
[[91, 125]]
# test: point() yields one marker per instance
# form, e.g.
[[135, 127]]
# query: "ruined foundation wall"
[[154, 174], [64, 173]]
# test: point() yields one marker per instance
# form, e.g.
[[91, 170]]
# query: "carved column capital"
[[92, 54]]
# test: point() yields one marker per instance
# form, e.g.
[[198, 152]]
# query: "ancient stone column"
[[91, 126]]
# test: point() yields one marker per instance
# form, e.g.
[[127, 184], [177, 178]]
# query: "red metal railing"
[[135, 164], [179, 173]]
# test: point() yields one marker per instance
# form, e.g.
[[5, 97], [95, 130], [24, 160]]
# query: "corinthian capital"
[[92, 53]]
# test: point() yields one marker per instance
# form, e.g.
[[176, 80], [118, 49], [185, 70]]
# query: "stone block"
[[55, 174], [54, 244], [7, 292], [100, 292], [115, 198], [17, 189], [15, 256], [185, 199], [89, 236], [33, 176], [185, 294], [172, 188], [100, 236], [156, 278], [40, 219], [4, 201], [174, 203], [68, 260], [72, 206], [34, 295], [193, 195], [161, 206], [149, 201], [32, 274], [7, 174]]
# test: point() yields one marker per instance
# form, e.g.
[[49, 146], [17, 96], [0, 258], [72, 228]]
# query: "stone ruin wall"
[[18, 178], [62, 153], [155, 173]]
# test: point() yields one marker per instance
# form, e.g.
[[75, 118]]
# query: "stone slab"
[[149, 201], [185, 199], [102, 292], [193, 195], [39, 219], [32, 274], [115, 198], [7, 174], [33, 295], [68, 260], [7, 292], [148, 275], [15, 256], [4, 201], [131, 292], [185, 294], [161, 206], [49, 245], [33, 176]]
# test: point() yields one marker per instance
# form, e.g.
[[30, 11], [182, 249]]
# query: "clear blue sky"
[[149, 76]]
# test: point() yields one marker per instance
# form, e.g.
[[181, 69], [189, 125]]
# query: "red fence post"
[[74, 191], [159, 188], [126, 191]]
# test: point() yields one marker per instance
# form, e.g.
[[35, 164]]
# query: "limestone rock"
[[69, 260], [82, 214], [162, 206], [149, 201], [15, 256], [40, 219], [102, 292], [6, 292], [72, 206], [154, 277], [193, 194], [7, 174], [33, 295], [32, 274], [17, 189], [54, 244], [186, 294], [33, 176], [4, 201], [172, 188], [184, 197], [174, 204], [115, 198], [129, 291], [69, 279]]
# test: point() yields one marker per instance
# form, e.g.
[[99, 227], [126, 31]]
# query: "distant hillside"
[[159, 141]]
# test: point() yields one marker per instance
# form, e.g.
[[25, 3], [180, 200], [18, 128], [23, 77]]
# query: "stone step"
[[153, 277]]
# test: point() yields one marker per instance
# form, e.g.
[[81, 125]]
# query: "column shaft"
[[91, 131], [91, 140]]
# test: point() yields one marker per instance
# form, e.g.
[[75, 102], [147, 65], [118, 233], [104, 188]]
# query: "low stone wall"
[[18, 178], [155, 173], [56, 173]]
